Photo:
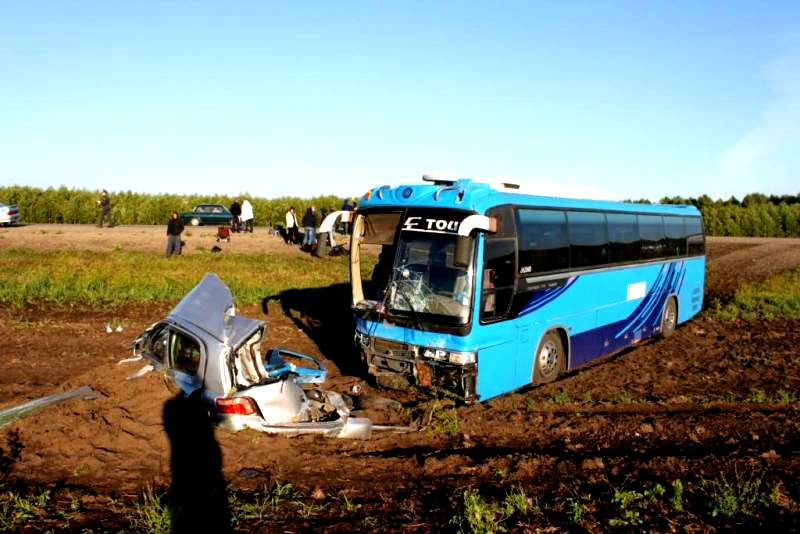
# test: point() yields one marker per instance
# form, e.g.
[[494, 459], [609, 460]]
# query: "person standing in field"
[[236, 211], [346, 206], [310, 226], [105, 210], [174, 231], [247, 216], [292, 227]]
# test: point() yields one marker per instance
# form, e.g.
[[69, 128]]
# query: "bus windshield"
[[425, 281]]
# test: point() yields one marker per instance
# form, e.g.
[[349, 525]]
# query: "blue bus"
[[479, 289]]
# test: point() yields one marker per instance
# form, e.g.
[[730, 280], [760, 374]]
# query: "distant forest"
[[79, 206], [754, 215]]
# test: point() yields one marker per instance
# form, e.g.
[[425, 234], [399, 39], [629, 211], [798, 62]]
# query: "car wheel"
[[195, 221], [550, 359], [669, 319]]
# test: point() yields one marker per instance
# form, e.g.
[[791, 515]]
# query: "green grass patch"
[[444, 419], [124, 277], [777, 296], [151, 514], [741, 495]]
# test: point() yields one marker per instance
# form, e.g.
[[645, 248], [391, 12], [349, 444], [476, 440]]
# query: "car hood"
[[209, 306]]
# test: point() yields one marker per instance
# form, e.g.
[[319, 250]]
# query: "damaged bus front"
[[414, 305]]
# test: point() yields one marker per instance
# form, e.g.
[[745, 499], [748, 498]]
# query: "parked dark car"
[[207, 214]]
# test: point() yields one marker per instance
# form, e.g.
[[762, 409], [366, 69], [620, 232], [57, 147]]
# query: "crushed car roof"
[[210, 306]]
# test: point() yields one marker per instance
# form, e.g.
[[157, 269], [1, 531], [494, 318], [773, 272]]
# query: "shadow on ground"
[[324, 314], [198, 495]]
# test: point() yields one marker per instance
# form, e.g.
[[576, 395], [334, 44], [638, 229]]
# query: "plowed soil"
[[715, 398]]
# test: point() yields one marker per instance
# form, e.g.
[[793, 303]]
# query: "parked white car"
[[8, 214]]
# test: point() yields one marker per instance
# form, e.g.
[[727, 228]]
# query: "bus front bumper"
[[401, 366]]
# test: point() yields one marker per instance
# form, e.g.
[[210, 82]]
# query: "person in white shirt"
[[291, 226], [247, 216]]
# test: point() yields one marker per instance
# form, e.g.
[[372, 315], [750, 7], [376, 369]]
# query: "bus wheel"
[[550, 359], [669, 319]]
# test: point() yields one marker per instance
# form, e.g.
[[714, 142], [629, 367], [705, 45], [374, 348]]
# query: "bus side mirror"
[[463, 251]]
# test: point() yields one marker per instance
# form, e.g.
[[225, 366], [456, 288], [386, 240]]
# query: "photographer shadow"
[[198, 495]]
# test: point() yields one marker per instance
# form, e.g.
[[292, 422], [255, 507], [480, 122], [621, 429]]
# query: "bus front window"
[[426, 285]]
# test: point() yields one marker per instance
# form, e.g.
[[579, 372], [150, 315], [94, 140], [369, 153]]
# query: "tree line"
[[754, 215], [79, 206]]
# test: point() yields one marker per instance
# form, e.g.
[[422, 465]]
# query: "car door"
[[174, 351], [203, 215], [153, 344], [185, 359], [223, 216]]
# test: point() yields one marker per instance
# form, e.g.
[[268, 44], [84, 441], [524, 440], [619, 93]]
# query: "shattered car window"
[[185, 353], [160, 345]]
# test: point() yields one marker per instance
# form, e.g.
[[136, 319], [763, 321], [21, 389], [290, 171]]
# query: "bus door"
[[499, 365]]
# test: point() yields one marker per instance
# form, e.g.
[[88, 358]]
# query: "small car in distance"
[[8, 214], [207, 214]]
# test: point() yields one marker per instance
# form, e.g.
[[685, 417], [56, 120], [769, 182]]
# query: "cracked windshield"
[[425, 279]]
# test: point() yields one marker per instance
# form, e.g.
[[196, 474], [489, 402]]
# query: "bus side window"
[[675, 236], [587, 238], [623, 238], [651, 229], [543, 243], [694, 233]]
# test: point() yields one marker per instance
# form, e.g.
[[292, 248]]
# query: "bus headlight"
[[435, 354], [462, 358], [440, 355]]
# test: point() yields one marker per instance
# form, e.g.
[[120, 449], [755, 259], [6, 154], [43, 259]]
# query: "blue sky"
[[597, 99]]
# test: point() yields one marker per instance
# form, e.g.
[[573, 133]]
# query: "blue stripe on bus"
[[638, 325], [544, 296], [611, 337]]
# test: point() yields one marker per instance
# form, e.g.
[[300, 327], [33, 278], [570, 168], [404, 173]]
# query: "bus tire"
[[550, 359], [669, 318]]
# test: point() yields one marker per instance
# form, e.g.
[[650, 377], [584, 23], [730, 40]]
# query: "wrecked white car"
[[208, 350]]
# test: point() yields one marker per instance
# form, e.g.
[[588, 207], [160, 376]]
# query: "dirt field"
[[712, 399], [141, 238]]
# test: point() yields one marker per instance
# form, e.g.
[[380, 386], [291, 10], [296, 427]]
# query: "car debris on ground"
[[15, 412]]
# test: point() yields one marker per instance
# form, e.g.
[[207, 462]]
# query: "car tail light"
[[235, 405]]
